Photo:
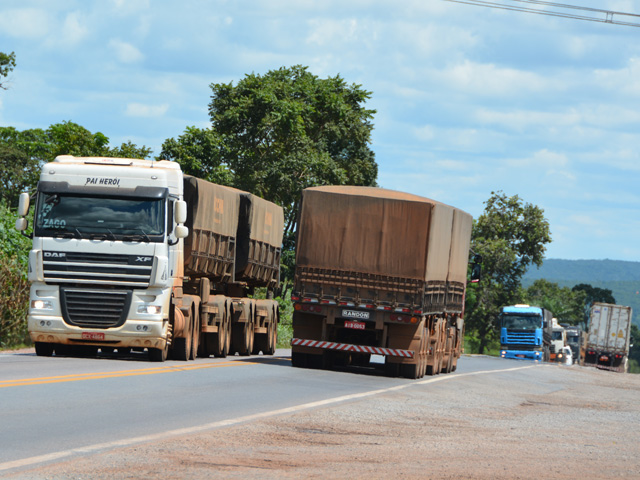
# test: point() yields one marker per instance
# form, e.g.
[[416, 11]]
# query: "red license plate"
[[92, 336], [604, 358], [519, 355], [355, 325]]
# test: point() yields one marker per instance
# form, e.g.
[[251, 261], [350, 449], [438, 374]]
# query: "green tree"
[[565, 304], [593, 294], [22, 153], [198, 152], [288, 130], [14, 287], [510, 236], [7, 64]]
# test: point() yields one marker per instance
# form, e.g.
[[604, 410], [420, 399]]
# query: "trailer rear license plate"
[[355, 325], [92, 336], [604, 358]]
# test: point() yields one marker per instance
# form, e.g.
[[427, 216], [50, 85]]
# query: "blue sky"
[[469, 99]]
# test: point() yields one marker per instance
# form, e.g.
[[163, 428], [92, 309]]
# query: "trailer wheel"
[[299, 360], [44, 349], [195, 333], [218, 343]]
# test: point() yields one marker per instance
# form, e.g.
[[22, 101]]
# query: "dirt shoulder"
[[549, 422]]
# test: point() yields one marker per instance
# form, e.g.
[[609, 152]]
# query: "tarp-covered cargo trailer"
[[259, 241], [212, 219], [382, 256], [364, 243]]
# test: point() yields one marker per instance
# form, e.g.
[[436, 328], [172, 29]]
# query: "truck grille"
[[95, 308], [97, 269], [522, 338]]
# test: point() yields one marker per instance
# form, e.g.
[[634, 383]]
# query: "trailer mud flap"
[[345, 347]]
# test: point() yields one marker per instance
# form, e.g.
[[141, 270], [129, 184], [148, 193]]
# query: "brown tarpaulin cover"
[[212, 209], [378, 231], [266, 220]]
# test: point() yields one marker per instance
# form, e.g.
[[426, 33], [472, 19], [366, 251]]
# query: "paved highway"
[[58, 407]]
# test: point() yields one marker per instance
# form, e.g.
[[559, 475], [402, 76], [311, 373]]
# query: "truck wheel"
[[158, 354], [182, 346], [409, 370], [299, 360], [44, 349], [391, 369]]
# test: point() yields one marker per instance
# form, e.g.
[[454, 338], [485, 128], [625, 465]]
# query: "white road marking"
[[127, 442]]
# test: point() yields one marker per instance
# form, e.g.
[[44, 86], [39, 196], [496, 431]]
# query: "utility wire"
[[608, 14]]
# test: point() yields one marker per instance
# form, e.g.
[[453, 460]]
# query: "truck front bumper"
[[133, 333], [522, 354]]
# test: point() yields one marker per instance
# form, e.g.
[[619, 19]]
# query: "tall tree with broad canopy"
[[22, 153], [288, 130], [510, 236]]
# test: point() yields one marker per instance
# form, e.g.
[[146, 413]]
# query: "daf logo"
[[55, 254], [143, 259]]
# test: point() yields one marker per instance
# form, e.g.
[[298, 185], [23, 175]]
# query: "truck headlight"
[[150, 309], [41, 305]]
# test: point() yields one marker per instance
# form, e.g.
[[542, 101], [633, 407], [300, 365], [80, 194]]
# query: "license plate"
[[92, 336], [355, 325], [604, 358], [519, 355]]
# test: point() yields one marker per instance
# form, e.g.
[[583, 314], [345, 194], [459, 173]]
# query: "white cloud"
[[125, 52], [150, 111], [74, 29], [30, 23], [487, 79]]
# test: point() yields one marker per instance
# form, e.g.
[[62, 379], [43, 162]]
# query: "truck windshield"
[[521, 322], [140, 219]]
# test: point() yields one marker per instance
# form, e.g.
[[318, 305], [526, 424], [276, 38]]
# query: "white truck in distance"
[[133, 254], [608, 337]]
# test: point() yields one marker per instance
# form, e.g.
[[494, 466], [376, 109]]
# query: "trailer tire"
[[299, 360], [195, 333]]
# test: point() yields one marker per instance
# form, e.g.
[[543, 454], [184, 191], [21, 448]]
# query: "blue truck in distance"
[[525, 332]]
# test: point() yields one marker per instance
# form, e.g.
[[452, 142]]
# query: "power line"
[[607, 16]]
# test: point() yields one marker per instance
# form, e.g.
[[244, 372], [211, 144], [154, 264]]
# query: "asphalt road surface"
[[257, 417]]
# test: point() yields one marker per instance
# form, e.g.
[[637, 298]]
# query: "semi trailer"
[[379, 272], [132, 254], [608, 337]]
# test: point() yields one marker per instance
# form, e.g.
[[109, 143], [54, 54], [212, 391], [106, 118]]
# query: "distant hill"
[[622, 278]]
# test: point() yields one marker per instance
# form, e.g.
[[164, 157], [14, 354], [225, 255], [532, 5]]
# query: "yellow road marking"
[[123, 373]]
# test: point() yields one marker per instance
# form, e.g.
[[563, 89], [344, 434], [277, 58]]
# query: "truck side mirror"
[[21, 224], [181, 231], [180, 212], [23, 205]]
